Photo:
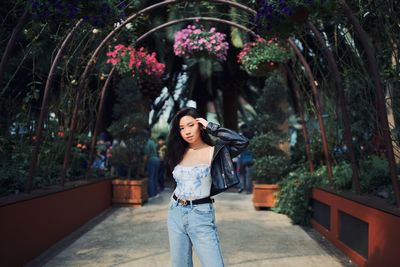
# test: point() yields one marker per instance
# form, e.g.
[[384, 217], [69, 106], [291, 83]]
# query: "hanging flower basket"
[[136, 62], [283, 18], [260, 57], [264, 68], [195, 42], [151, 87]]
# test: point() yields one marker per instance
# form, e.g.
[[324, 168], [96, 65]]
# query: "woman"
[[201, 170]]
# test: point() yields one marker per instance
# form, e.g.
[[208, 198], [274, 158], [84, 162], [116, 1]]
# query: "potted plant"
[[196, 42], [271, 162], [270, 165], [127, 153], [142, 84], [262, 56]]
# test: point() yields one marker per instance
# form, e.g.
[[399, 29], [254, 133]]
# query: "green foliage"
[[14, 165], [375, 178], [295, 194], [270, 52], [269, 169], [263, 143], [129, 129], [294, 198], [271, 163], [78, 162], [342, 174], [374, 172], [269, 112]]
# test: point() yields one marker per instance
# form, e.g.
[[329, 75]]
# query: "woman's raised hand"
[[202, 121]]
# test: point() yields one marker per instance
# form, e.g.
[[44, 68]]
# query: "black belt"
[[185, 202]]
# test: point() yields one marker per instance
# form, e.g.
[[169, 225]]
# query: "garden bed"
[[32, 223], [363, 227]]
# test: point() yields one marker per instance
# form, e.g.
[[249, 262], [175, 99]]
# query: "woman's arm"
[[233, 140]]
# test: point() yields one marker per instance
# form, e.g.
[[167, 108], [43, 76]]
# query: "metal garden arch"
[[92, 60]]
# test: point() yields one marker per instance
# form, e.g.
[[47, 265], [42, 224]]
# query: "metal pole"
[[343, 104], [43, 111], [92, 60], [302, 119], [99, 115], [318, 108], [373, 68]]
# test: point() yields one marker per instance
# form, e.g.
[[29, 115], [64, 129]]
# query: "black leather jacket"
[[229, 145]]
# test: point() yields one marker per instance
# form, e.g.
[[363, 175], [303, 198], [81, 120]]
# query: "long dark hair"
[[176, 146]]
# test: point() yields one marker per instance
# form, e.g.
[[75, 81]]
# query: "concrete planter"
[[130, 192], [32, 223], [363, 227], [264, 195]]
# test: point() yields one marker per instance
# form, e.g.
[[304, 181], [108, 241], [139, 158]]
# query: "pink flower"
[[190, 40], [137, 61]]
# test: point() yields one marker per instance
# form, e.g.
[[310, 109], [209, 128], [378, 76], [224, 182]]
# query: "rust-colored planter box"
[[130, 192], [364, 227], [32, 223], [264, 195]]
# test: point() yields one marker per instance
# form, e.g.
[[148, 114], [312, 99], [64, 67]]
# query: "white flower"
[[128, 25]]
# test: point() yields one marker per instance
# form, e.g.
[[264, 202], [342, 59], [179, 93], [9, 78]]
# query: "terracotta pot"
[[130, 192], [264, 195]]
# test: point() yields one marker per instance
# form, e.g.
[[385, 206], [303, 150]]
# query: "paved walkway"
[[138, 237]]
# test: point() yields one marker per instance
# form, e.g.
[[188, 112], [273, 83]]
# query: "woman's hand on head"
[[202, 122]]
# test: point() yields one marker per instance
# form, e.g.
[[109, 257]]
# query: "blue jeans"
[[245, 178], [193, 226]]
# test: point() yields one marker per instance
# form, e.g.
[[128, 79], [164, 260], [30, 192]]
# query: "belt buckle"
[[183, 202]]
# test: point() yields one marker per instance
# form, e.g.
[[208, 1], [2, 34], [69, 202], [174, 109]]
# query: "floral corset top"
[[192, 182]]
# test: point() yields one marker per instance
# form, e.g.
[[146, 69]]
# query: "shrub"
[[129, 130], [265, 143], [269, 169], [374, 173], [294, 198], [271, 163]]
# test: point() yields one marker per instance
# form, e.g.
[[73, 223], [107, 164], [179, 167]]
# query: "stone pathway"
[[138, 237]]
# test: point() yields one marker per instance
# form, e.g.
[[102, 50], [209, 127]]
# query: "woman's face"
[[189, 129]]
